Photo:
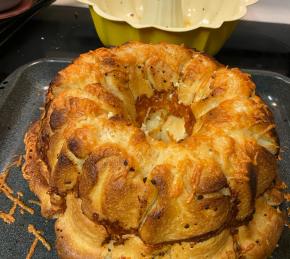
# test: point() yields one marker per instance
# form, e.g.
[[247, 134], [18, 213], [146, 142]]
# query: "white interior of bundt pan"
[[171, 15]]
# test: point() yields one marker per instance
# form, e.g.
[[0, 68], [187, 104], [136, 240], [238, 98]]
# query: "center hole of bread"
[[162, 117]]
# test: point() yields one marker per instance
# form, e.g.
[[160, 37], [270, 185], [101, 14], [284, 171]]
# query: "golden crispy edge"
[[78, 237], [35, 172]]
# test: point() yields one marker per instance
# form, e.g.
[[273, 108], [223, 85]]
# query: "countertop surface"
[[65, 31], [263, 11]]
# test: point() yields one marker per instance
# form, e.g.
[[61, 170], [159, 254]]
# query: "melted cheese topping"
[[163, 126]]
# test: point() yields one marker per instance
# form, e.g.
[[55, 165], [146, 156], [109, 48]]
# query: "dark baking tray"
[[21, 95]]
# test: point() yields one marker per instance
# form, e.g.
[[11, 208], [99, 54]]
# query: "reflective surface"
[[21, 95]]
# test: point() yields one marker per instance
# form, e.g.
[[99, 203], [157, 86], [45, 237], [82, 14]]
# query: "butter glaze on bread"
[[156, 151]]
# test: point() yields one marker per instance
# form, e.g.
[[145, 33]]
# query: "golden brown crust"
[[36, 173], [155, 150], [259, 238], [78, 237]]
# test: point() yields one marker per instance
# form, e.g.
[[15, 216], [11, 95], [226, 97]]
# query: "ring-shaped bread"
[[156, 151]]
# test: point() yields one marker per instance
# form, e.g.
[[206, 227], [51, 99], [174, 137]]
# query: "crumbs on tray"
[[8, 217], [38, 237], [16, 201]]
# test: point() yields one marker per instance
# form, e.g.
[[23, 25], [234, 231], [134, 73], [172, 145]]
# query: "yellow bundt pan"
[[203, 25], [209, 40]]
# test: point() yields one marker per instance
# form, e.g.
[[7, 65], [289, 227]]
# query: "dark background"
[[61, 31]]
